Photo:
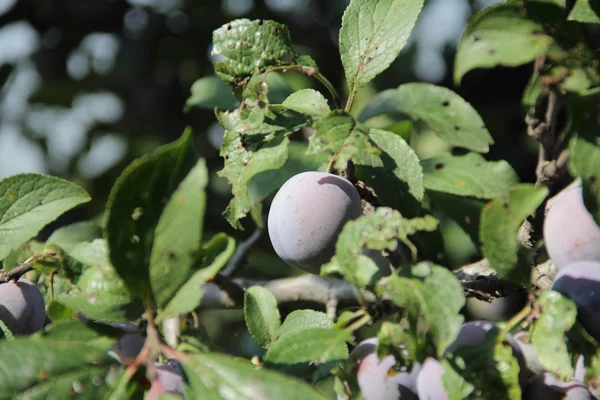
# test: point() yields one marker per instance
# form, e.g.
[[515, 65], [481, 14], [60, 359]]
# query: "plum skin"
[[307, 215], [580, 282], [373, 374], [168, 380], [22, 307], [570, 232], [548, 386]]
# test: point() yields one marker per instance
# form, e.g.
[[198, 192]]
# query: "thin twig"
[[15, 273], [242, 250]]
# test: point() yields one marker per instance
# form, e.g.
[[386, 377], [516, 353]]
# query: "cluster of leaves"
[[147, 259]]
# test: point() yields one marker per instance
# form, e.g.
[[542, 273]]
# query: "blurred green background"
[[87, 86]]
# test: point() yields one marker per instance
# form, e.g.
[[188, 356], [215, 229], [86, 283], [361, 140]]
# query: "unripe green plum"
[[22, 307], [580, 282], [547, 386], [307, 215], [570, 232]]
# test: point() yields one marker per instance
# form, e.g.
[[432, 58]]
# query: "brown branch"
[[15, 273], [478, 280]]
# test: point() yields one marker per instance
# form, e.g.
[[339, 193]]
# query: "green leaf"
[[135, 204], [263, 122], [100, 293], [499, 35], [432, 292], [309, 345], [456, 386], [178, 235], [338, 133], [500, 221], [68, 237], [214, 256], [210, 92], [379, 231], [304, 319], [585, 163], [6, 332], [465, 211], [33, 368], [28, 202], [586, 11], [57, 312], [468, 175], [307, 101], [256, 140], [373, 33], [262, 315], [252, 47], [265, 183], [489, 367], [557, 316], [450, 117], [220, 377], [395, 175], [307, 336]]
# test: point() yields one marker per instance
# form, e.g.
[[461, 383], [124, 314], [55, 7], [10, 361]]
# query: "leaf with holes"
[[340, 134], [468, 175], [135, 205], [255, 141], [249, 48], [373, 33], [173, 253], [450, 117], [378, 231], [499, 35]]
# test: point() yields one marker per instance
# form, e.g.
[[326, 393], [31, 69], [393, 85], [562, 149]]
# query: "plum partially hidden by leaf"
[[22, 307]]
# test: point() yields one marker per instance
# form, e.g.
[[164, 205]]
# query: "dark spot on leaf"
[[171, 255], [439, 166], [446, 103], [505, 206], [456, 127], [492, 52], [475, 38], [592, 180], [228, 27]]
